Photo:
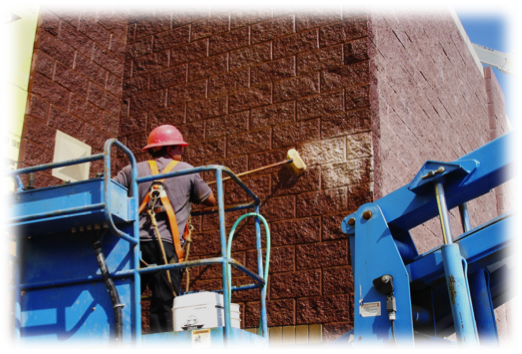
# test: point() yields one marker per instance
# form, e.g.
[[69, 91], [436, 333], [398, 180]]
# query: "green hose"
[[267, 258]]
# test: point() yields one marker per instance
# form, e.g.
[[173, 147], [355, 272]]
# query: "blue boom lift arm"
[[403, 297]]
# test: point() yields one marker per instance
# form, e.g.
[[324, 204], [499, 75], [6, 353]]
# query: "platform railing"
[[136, 271]]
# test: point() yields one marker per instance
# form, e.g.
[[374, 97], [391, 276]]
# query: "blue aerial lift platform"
[[406, 298], [62, 232]]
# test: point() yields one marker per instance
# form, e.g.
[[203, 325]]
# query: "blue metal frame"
[[103, 211], [380, 244]]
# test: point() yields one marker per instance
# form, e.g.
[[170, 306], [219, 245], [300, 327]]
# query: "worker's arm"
[[210, 201]]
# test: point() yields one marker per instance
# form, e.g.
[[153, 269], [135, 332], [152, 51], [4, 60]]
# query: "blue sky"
[[492, 31]]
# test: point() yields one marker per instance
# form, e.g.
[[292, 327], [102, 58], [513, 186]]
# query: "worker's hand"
[[210, 201]]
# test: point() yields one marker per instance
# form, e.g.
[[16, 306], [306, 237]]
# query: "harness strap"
[[168, 207]]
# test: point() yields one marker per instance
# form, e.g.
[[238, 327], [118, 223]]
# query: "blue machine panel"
[[58, 209]]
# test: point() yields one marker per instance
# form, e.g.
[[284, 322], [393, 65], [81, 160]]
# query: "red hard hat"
[[164, 135]]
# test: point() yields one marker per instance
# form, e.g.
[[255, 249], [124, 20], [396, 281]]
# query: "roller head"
[[297, 165]]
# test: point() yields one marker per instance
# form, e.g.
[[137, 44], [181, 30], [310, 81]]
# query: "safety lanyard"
[[166, 204]]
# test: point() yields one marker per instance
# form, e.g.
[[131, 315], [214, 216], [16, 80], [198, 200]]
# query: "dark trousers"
[[162, 299]]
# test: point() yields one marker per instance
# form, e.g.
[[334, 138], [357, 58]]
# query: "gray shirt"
[[181, 191]]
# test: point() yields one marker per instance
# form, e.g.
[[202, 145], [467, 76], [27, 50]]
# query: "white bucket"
[[202, 310]]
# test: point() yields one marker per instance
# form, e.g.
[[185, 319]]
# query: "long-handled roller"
[[292, 158]]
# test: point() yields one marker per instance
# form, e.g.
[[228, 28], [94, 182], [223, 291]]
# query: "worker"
[[165, 145]]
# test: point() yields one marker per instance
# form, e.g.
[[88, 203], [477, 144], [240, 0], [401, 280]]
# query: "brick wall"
[[75, 85]]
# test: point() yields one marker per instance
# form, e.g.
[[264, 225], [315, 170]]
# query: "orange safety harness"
[[158, 191]]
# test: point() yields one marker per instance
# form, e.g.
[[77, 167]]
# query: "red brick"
[[135, 143], [90, 70], [295, 284], [227, 125], [44, 65], [169, 77], [114, 22], [325, 254], [49, 22], [282, 259], [251, 55], [206, 67], [107, 60], [347, 173], [229, 41], [317, 18], [212, 107], [320, 59], [71, 80], [135, 85], [38, 108], [230, 82], [110, 124], [259, 185], [296, 231], [346, 76], [317, 106], [189, 52], [114, 85], [35, 155], [354, 10], [278, 208], [172, 115], [69, 16], [134, 124], [150, 63], [205, 244], [324, 309], [76, 39], [214, 271], [266, 158], [254, 141], [358, 195], [280, 9], [332, 331], [273, 70], [357, 97], [356, 51], [118, 47], [148, 101], [139, 48], [250, 98], [241, 17], [291, 134], [84, 109], [279, 313], [193, 132], [323, 202], [103, 99], [285, 182], [66, 123], [169, 39], [343, 32], [207, 27], [278, 27], [205, 151], [55, 48], [297, 87], [272, 115], [296, 43], [50, 91], [152, 24], [338, 280], [187, 92], [91, 29], [332, 227], [94, 137], [182, 17], [40, 133], [346, 123]]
